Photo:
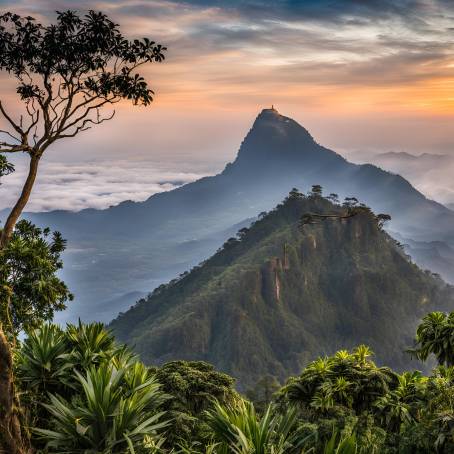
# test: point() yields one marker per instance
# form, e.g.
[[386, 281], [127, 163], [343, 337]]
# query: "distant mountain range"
[[137, 246], [279, 295], [431, 173]]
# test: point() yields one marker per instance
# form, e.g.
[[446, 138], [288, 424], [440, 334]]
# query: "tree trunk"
[[11, 439], [21, 202]]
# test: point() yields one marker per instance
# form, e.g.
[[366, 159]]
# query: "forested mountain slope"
[[280, 295], [136, 246]]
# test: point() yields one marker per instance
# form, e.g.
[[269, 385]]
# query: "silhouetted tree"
[[382, 218], [295, 194], [5, 167], [242, 233], [350, 202], [333, 197], [316, 191], [66, 74]]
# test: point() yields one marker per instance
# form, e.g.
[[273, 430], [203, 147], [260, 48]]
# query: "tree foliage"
[[5, 166], [67, 73], [28, 275], [435, 335]]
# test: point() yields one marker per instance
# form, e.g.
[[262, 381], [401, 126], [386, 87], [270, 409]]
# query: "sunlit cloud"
[[69, 186], [374, 75]]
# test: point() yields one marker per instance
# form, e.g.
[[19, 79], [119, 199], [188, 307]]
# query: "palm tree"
[[435, 335], [347, 379], [401, 405]]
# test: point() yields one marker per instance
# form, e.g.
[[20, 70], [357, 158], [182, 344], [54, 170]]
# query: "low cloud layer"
[[69, 186], [429, 173]]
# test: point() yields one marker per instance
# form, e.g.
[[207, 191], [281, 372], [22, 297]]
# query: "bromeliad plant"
[[97, 396], [239, 430], [114, 413]]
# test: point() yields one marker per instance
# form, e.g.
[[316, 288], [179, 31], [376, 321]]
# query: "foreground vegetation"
[[77, 390], [81, 392]]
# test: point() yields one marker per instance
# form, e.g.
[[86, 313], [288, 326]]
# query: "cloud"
[[69, 186], [377, 74], [429, 173]]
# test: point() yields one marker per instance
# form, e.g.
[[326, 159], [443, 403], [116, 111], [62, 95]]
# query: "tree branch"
[[10, 120]]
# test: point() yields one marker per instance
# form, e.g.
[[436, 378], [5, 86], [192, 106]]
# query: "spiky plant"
[[90, 344], [40, 360], [239, 430], [111, 415], [339, 445]]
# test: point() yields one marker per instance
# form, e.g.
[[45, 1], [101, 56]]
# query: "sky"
[[364, 78]]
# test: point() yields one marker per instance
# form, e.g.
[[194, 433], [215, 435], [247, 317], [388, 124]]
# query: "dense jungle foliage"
[[81, 392]]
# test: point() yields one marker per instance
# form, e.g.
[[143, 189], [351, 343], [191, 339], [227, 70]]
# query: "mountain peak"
[[270, 112], [276, 141], [272, 125], [271, 115]]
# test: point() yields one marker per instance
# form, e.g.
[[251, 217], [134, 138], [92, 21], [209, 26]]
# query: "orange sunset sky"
[[362, 77]]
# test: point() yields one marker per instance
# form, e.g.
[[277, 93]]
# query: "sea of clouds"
[[102, 183], [99, 184]]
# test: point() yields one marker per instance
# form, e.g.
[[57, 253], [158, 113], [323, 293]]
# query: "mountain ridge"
[[282, 296], [135, 246]]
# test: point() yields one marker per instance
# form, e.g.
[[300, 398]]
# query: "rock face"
[[278, 297]]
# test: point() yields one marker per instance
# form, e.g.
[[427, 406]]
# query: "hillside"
[[279, 296], [137, 246]]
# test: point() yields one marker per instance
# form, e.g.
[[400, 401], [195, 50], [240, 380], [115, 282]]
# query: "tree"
[[30, 290], [242, 233], [316, 191], [435, 336], [333, 198], [66, 74], [295, 194], [193, 386], [400, 406], [5, 166], [346, 379], [382, 218]]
